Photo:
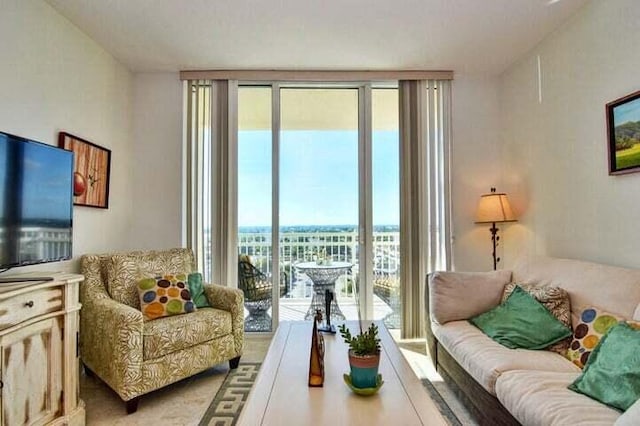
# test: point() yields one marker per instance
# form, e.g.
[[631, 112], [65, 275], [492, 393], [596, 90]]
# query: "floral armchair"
[[135, 356]]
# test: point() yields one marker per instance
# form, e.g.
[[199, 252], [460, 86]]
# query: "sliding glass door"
[[319, 200], [385, 141], [318, 191]]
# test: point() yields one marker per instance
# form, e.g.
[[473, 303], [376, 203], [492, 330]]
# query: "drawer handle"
[[29, 304]]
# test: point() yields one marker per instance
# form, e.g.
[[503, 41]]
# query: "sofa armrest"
[[232, 300], [111, 344], [629, 417], [454, 296]]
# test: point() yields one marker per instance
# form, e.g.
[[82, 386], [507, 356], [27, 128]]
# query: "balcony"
[[340, 244]]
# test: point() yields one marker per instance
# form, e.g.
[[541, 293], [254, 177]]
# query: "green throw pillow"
[[611, 375], [521, 322], [197, 290]]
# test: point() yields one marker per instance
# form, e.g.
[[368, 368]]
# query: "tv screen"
[[36, 202]]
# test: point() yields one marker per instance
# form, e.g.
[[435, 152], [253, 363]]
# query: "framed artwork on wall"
[[623, 131], [91, 171]]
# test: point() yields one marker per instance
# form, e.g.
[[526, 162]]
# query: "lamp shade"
[[494, 207]]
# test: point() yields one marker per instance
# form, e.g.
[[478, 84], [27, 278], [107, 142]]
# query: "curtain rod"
[[315, 75]]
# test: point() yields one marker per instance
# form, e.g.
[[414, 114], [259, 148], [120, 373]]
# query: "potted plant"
[[364, 356]]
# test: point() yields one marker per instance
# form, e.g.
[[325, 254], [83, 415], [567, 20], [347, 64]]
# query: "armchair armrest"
[[454, 296], [111, 340], [232, 300]]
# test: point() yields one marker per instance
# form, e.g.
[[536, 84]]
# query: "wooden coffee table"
[[281, 396]]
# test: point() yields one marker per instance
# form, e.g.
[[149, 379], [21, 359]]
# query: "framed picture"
[[91, 170], [623, 130]]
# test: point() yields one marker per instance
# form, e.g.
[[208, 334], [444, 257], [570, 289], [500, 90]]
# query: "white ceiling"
[[461, 35]]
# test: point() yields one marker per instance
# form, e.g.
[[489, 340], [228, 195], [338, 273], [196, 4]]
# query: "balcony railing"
[[308, 246]]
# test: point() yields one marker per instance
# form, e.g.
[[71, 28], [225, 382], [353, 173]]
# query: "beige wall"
[[158, 132], [54, 78], [157, 161], [475, 166], [555, 154]]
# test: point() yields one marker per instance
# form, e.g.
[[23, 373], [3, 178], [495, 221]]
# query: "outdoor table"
[[324, 278]]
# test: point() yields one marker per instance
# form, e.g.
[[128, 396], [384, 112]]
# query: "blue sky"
[[627, 112], [318, 178]]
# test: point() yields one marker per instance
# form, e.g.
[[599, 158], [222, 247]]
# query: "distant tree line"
[[627, 135]]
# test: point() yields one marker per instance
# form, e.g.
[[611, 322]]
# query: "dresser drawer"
[[25, 306]]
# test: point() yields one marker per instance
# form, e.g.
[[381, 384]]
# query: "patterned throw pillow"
[[165, 295], [556, 300], [594, 323]]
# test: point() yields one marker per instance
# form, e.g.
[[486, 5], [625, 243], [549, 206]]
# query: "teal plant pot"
[[364, 370]]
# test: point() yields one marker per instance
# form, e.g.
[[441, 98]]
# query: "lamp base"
[[494, 240]]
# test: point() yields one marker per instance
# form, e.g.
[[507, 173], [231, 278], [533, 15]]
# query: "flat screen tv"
[[36, 202]]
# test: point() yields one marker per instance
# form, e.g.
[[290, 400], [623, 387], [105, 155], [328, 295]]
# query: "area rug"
[[227, 404], [444, 408]]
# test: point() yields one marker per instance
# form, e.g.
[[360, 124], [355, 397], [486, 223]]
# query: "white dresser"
[[39, 364]]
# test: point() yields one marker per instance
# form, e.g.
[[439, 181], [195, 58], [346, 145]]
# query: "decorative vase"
[[364, 370]]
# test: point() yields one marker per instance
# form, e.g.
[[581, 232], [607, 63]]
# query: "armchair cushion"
[[455, 296], [124, 270], [164, 296], [170, 334]]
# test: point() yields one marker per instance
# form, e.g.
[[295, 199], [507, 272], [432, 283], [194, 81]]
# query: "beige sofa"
[[134, 356], [511, 386]]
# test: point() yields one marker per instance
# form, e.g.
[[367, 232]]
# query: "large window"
[[299, 194], [320, 171]]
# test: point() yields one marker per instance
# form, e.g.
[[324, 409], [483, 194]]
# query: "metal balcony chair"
[[387, 287], [257, 288]]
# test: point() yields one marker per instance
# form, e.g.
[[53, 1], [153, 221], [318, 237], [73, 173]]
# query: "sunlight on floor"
[[421, 364]]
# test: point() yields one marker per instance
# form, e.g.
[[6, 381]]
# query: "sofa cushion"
[[124, 270], [521, 322], [556, 300], [174, 333], [587, 283], [542, 398], [630, 417], [611, 375], [594, 323], [455, 296], [485, 360]]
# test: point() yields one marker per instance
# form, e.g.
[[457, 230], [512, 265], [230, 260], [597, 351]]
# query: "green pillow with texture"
[[197, 290], [611, 374], [521, 322]]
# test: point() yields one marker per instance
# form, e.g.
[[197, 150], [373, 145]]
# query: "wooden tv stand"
[[39, 352]]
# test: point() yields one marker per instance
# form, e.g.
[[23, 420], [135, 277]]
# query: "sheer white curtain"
[[211, 196], [425, 226]]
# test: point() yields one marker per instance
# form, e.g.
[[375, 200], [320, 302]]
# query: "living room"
[[528, 118]]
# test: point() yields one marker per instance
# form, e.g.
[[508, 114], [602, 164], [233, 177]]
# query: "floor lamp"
[[494, 208]]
